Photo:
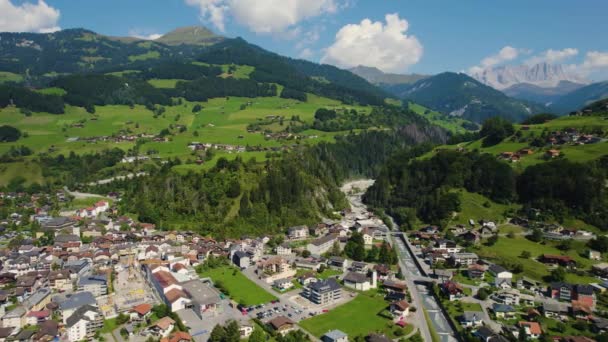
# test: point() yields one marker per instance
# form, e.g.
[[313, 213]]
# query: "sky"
[[399, 36]]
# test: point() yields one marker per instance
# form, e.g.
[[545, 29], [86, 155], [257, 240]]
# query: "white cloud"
[[306, 53], [262, 16], [375, 44], [28, 17], [553, 56], [595, 60], [143, 35], [507, 53]]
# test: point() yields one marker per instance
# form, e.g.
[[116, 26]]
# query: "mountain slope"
[[542, 75], [377, 76], [191, 35], [581, 97], [534, 93], [462, 96]]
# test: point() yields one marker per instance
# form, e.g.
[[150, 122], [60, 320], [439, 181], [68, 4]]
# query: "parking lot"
[[200, 329]]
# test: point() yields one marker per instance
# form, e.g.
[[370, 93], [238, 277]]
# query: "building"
[[297, 232], [360, 281], [164, 326], [503, 311], [561, 260], [531, 329], [283, 284], [323, 292], [452, 290], [594, 255], [274, 268], [400, 309], [241, 259], [282, 325], [96, 284], [203, 299], [284, 249], [334, 336], [83, 323], [322, 245], [502, 277], [471, 319], [68, 304], [463, 259]]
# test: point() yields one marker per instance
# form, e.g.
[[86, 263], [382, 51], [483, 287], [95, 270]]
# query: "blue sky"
[[440, 35]]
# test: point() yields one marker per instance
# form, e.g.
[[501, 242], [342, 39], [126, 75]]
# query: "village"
[[92, 273]]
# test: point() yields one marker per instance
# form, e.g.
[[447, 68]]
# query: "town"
[[91, 273]]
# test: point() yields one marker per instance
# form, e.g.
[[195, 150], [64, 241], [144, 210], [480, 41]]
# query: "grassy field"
[[145, 56], [6, 76], [477, 207], [508, 251], [360, 316], [221, 121], [456, 309], [240, 288], [579, 153], [452, 124], [164, 83]]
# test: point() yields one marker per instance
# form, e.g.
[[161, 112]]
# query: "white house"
[[360, 281]]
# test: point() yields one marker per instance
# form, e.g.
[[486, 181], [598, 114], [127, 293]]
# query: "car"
[[284, 309], [289, 315]]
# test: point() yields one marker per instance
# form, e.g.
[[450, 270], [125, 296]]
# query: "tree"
[[492, 240], [335, 249], [495, 130], [560, 327], [258, 335], [305, 253], [232, 332], [218, 334], [558, 274], [372, 254], [482, 294], [536, 236], [525, 255]]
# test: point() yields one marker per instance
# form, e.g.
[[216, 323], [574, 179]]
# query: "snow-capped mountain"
[[543, 75]]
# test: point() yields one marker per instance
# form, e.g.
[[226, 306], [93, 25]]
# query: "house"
[[282, 325], [368, 236], [471, 319], [532, 329], [322, 245], [561, 260], [502, 277], [580, 310], [377, 338], [15, 318], [284, 249], [334, 336], [6, 332], [274, 268], [338, 263], [463, 259], [400, 309], [178, 336], [487, 335], [452, 290], [241, 259], [471, 236], [529, 284], [600, 269], [141, 312], [584, 294], [283, 284], [476, 271], [503, 310], [507, 296], [552, 153], [84, 323], [555, 310], [393, 286], [163, 326], [297, 232], [358, 266], [446, 245], [245, 331], [68, 304], [323, 291], [360, 281], [443, 275], [594, 255], [562, 291]]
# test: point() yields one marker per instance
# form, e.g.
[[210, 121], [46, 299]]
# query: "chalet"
[[561, 260], [394, 286], [141, 312], [552, 153], [560, 290], [282, 325], [476, 271], [446, 245], [163, 326], [471, 236], [400, 309], [508, 297], [452, 290]]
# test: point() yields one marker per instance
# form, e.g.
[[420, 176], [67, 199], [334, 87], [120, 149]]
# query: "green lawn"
[[452, 124], [108, 326], [360, 316], [457, 308], [240, 288], [164, 83], [6, 76], [145, 56], [477, 207], [507, 251]]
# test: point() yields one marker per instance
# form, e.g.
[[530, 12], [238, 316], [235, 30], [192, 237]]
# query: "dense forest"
[[236, 198], [422, 189], [30, 100]]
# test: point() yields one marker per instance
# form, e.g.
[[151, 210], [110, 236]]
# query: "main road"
[[421, 298]]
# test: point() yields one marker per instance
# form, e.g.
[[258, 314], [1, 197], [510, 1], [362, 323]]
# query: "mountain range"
[[378, 77], [543, 75]]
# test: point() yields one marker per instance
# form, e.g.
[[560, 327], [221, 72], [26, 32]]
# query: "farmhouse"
[[561, 260], [282, 325]]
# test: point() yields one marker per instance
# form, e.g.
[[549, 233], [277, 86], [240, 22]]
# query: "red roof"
[[142, 309], [39, 314], [534, 327], [164, 278]]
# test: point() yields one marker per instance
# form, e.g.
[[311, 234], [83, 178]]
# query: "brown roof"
[[533, 326], [402, 305], [164, 323], [164, 278], [279, 322], [174, 295]]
